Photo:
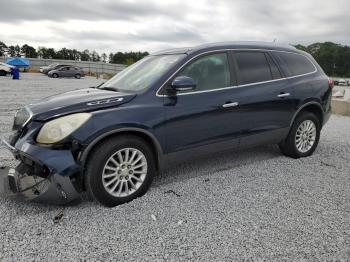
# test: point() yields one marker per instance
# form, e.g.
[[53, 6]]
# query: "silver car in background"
[[67, 71], [47, 69]]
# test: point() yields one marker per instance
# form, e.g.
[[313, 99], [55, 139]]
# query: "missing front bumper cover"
[[54, 189]]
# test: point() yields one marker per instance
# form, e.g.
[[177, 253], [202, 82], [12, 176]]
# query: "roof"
[[18, 61], [173, 51], [229, 45]]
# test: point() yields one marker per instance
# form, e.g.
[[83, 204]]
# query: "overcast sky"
[[149, 25]]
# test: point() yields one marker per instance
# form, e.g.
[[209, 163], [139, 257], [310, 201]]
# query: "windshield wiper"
[[110, 88], [97, 86]]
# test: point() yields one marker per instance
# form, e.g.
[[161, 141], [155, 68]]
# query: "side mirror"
[[183, 83]]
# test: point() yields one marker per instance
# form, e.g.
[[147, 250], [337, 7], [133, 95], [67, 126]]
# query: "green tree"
[[63, 53], [11, 51], [301, 47], [29, 51], [3, 48], [46, 53], [17, 51], [85, 55], [126, 58], [104, 57], [110, 57], [75, 54], [95, 57]]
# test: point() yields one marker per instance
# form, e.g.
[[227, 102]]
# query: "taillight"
[[330, 83]]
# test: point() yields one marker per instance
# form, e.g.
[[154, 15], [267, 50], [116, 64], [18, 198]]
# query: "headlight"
[[58, 129]]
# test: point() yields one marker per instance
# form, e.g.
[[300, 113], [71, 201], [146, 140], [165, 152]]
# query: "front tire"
[[119, 170], [3, 73], [55, 75], [303, 136], [77, 76]]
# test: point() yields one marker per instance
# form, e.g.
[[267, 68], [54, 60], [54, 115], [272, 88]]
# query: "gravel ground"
[[250, 205]]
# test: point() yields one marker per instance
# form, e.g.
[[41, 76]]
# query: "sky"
[[151, 25]]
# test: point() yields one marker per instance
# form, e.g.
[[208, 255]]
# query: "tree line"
[[126, 58], [333, 58]]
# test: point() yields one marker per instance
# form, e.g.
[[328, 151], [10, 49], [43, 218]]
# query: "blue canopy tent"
[[18, 62]]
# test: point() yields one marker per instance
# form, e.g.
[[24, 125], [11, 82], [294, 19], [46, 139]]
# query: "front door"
[[64, 71], [206, 118]]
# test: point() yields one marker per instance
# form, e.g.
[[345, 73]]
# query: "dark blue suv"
[[111, 140]]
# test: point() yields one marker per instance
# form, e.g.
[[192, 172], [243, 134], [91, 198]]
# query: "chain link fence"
[[87, 66]]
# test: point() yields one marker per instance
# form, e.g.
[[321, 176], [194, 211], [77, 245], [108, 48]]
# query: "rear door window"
[[297, 64], [253, 67], [275, 72]]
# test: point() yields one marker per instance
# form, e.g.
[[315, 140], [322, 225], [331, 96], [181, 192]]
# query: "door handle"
[[283, 95], [230, 104]]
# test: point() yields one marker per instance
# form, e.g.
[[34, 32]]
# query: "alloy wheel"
[[305, 136], [124, 172]]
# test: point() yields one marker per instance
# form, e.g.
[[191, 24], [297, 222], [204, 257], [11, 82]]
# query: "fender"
[[303, 106], [84, 154]]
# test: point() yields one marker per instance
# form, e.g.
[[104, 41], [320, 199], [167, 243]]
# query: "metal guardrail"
[[87, 66]]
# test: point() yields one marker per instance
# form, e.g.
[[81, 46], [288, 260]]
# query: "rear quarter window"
[[296, 64]]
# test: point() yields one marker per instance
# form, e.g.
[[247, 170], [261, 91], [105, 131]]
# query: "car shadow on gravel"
[[206, 166]]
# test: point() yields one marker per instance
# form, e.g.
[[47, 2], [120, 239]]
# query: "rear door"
[[266, 100]]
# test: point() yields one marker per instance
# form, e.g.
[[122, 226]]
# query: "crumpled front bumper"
[[53, 185]]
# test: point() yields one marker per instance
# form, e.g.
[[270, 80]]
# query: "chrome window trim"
[[237, 86]]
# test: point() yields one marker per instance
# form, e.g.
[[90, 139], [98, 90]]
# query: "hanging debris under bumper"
[[54, 189], [38, 181]]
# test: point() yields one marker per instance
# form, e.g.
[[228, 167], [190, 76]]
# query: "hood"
[[83, 100]]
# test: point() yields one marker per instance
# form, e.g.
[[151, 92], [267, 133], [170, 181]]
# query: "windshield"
[[142, 74]]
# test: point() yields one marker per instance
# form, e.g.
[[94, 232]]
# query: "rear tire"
[[54, 75], [3, 73], [303, 136], [114, 175]]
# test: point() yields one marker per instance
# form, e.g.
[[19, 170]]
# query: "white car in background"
[[5, 69], [46, 69], [342, 82]]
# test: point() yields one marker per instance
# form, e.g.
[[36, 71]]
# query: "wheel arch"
[[313, 107], [138, 132]]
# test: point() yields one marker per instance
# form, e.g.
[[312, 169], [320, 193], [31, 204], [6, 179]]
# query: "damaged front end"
[[44, 174], [47, 139], [20, 185]]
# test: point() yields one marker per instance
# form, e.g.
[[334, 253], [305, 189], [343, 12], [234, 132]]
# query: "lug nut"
[[119, 171], [130, 172], [129, 166], [121, 177], [127, 177], [123, 166]]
